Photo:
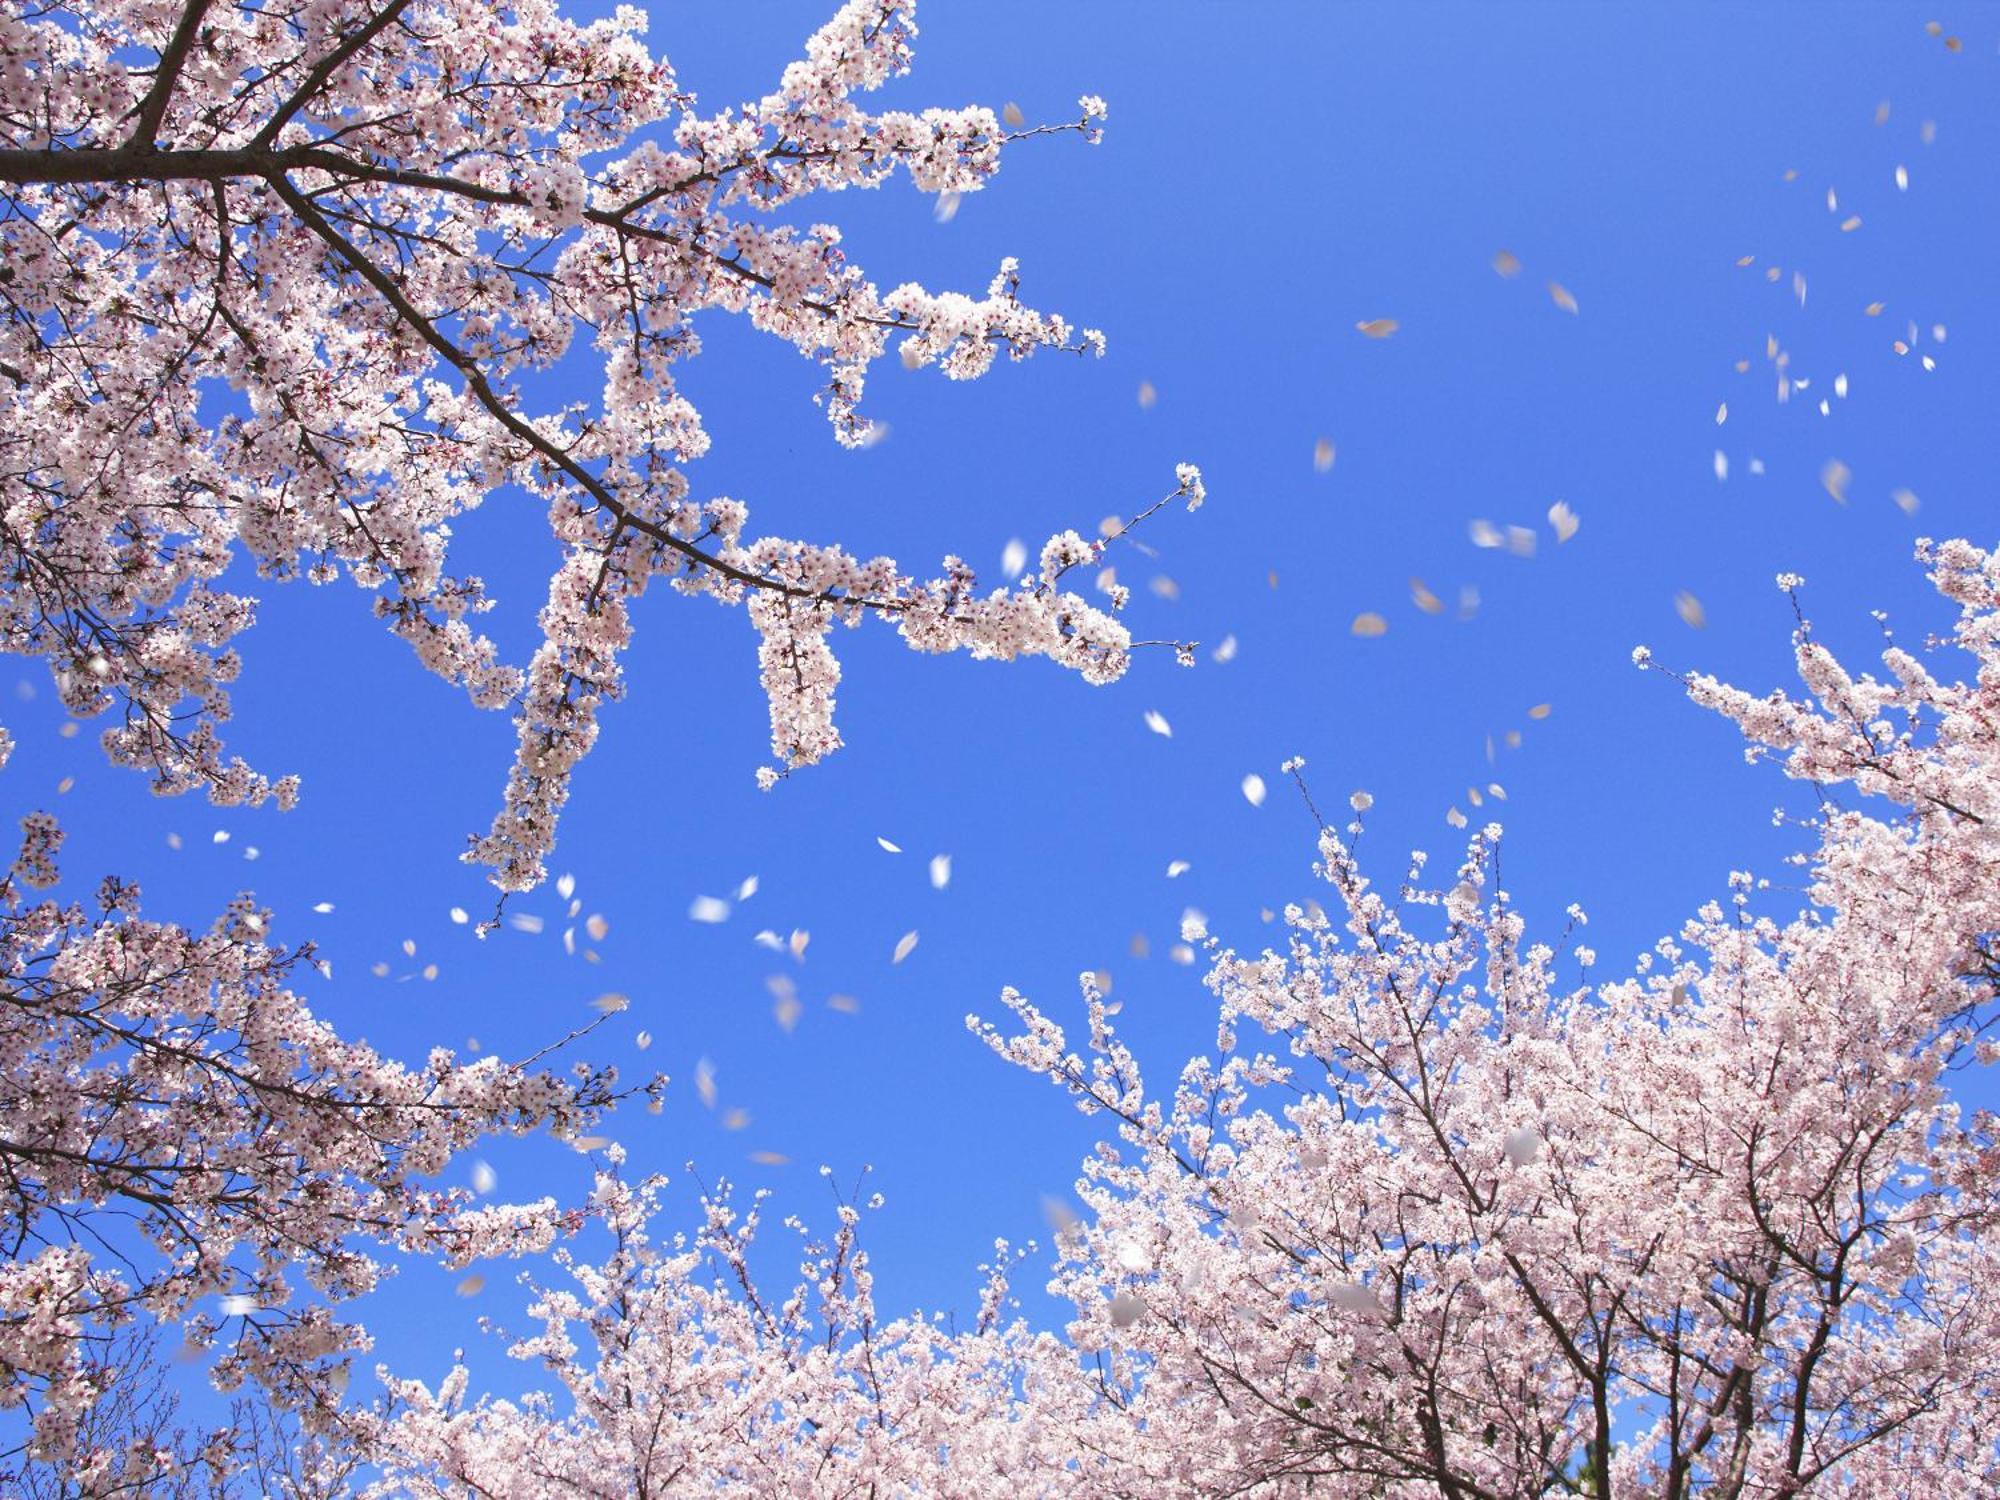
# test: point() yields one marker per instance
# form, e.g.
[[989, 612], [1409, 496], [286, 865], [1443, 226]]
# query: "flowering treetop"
[[276, 280], [1715, 1225]]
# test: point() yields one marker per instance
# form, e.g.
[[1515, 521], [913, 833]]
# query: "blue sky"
[[1272, 174]]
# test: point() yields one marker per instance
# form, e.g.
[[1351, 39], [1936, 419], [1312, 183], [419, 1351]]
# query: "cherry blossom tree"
[[677, 1374], [1718, 1225], [280, 282], [1480, 1222], [185, 1143]]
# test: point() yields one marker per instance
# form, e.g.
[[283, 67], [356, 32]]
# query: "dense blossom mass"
[[276, 281], [1714, 1226]]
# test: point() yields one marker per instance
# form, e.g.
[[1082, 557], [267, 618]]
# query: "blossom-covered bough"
[[182, 1141], [279, 280]]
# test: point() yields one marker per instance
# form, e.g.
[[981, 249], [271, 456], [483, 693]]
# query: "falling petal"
[[946, 208], [770, 1158], [1253, 789], [1322, 455], [566, 886], [1506, 263], [785, 995], [1424, 599], [1834, 479], [522, 921], [1179, 867], [611, 1004], [1011, 116], [1906, 501], [1721, 413], [1369, 624], [1563, 520], [1377, 328], [709, 909], [1147, 395], [596, 926], [484, 1178], [704, 1082], [940, 871], [1225, 650], [1721, 466], [1560, 295], [1157, 722], [905, 946], [747, 889], [1014, 557], [1690, 610]]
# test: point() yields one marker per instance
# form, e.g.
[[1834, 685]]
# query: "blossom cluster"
[[325, 249]]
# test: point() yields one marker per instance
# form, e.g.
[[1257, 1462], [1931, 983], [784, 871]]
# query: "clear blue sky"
[[1272, 174]]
